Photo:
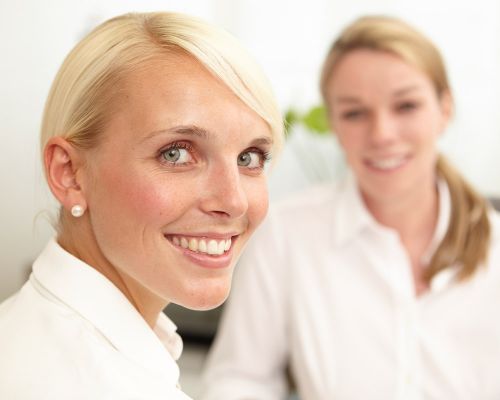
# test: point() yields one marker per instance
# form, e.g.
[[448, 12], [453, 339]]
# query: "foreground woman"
[[155, 136]]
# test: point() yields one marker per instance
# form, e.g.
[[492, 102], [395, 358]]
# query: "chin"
[[205, 295]]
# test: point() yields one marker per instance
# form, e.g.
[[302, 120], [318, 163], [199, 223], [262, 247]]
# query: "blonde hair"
[[467, 239], [78, 104]]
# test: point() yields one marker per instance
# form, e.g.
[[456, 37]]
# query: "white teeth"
[[202, 246], [388, 163], [212, 246], [193, 244]]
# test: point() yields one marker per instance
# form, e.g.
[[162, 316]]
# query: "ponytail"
[[466, 242]]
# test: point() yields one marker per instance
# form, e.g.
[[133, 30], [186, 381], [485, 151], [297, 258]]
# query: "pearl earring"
[[77, 211]]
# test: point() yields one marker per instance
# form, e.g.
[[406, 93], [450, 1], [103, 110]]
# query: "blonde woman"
[[386, 285], [154, 140]]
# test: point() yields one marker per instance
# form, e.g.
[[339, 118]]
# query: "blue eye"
[[176, 154], [252, 159]]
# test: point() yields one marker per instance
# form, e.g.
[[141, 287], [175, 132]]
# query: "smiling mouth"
[[387, 164], [205, 245]]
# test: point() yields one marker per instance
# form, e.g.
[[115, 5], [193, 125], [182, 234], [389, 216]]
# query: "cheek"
[[349, 134], [351, 141], [258, 201], [425, 131], [136, 200]]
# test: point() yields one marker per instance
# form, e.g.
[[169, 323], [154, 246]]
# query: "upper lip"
[[211, 235], [385, 157]]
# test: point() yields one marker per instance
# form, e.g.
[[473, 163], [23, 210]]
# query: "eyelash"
[[265, 156], [405, 107], [176, 145], [351, 115]]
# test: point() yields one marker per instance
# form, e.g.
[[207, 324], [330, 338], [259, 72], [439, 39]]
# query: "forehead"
[[179, 90], [167, 76], [366, 71]]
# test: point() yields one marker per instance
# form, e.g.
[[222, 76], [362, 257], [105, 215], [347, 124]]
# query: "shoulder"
[[311, 205], [306, 218], [493, 259], [46, 349], [50, 351], [494, 218], [315, 195]]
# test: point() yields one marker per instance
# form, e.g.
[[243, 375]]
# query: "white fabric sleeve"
[[249, 355]]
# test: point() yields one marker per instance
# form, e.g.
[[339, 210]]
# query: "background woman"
[[154, 139], [382, 286]]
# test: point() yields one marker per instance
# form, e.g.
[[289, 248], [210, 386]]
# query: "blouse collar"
[[91, 295], [352, 216]]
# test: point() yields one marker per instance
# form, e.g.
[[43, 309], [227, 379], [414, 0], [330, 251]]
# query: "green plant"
[[314, 120]]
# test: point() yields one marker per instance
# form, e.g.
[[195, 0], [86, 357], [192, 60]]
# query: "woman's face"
[[388, 117], [176, 185]]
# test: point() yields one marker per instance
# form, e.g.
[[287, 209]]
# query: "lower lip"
[[208, 261]]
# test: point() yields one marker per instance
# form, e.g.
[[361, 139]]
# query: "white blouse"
[[69, 333], [328, 291]]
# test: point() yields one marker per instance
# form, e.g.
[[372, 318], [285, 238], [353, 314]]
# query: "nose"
[[383, 129], [223, 192]]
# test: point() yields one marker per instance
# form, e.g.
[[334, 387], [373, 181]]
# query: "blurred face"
[[177, 186], [387, 117]]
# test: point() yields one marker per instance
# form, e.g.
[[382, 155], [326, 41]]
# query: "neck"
[[409, 213], [414, 216], [76, 238]]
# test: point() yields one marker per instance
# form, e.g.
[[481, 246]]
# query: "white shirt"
[[69, 333], [327, 290]]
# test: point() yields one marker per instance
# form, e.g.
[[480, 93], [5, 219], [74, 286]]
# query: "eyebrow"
[[405, 90], [397, 93], [347, 99], [183, 130], [194, 130], [262, 141]]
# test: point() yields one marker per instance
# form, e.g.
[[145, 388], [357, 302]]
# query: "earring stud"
[[77, 211]]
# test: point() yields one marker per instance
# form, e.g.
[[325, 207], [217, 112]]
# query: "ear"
[[329, 118], [62, 163], [446, 105]]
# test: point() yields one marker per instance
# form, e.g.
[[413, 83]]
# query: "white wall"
[[288, 38]]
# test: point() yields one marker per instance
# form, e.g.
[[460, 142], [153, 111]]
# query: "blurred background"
[[289, 39]]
